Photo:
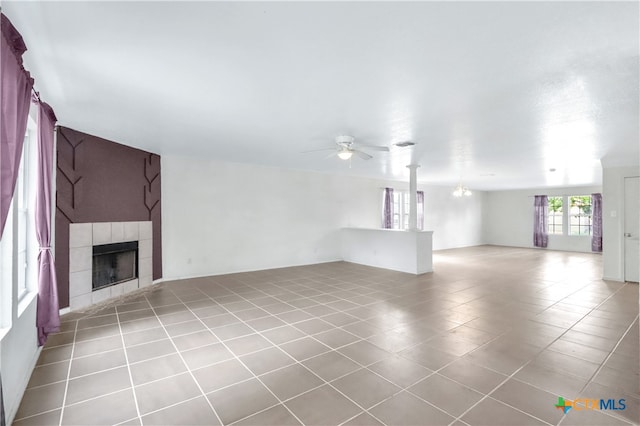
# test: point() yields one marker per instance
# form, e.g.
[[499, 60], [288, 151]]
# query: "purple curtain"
[[420, 203], [540, 236], [15, 95], [48, 315], [387, 209], [596, 238]]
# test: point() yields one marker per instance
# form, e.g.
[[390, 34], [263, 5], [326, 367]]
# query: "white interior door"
[[632, 229]]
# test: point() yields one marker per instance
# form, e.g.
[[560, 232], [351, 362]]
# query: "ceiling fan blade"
[[374, 147], [318, 150], [333, 154], [361, 154]]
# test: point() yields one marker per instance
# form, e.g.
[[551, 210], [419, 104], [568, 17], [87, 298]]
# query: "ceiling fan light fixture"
[[345, 154]]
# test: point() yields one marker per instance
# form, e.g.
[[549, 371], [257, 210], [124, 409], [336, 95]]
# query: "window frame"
[[567, 215], [19, 246], [580, 215], [24, 213], [401, 207], [552, 216]]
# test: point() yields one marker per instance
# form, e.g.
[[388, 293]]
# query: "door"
[[632, 229]]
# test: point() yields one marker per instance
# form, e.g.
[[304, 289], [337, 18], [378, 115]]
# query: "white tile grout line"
[[602, 365], [259, 333], [126, 358], [317, 295], [358, 339], [237, 359], [329, 383], [508, 378], [66, 387], [163, 408], [485, 395], [202, 392], [252, 352], [361, 366], [567, 329], [329, 349]]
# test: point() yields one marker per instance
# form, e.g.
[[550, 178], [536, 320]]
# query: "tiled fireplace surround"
[[82, 238]]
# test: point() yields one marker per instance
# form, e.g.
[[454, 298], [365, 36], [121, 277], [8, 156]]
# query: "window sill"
[[25, 301], [3, 332]]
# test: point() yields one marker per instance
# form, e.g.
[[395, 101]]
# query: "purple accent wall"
[[102, 181]]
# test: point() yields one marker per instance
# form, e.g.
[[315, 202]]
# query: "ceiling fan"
[[346, 147]]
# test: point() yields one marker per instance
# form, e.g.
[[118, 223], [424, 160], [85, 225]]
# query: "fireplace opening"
[[114, 263]]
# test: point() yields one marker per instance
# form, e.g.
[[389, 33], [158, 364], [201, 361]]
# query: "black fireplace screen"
[[114, 263]]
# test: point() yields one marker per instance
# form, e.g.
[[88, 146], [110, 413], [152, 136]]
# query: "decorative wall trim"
[[151, 174], [69, 173]]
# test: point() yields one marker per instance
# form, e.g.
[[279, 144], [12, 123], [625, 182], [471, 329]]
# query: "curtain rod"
[[36, 94]]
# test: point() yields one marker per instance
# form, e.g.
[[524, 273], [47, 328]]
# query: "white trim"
[[25, 301]]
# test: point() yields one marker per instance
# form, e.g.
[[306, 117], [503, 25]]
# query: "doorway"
[[632, 229]]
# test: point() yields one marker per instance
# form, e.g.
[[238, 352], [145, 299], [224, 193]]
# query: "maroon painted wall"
[[102, 181]]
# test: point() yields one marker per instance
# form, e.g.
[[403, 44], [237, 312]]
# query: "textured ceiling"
[[494, 94]]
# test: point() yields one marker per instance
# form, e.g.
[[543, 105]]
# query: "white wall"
[[508, 218], [455, 222], [393, 249], [222, 217], [613, 220], [19, 352]]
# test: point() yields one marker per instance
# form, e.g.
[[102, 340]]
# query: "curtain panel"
[[540, 236], [596, 238], [387, 209], [48, 315], [15, 95], [420, 203]]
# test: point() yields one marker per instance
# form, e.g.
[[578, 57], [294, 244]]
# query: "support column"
[[413, 196]]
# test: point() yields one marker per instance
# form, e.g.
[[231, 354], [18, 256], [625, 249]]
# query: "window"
[[570, 215], [21, 197], [401, 206], [18, 247], [580, 221], [397, 204], [554, 218]]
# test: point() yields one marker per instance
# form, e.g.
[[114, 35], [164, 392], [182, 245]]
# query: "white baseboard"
[[12, 411]]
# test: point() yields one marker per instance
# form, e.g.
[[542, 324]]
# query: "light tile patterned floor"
[[494, 336]]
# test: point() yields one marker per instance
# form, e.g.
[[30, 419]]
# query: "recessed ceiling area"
[[493, 94]]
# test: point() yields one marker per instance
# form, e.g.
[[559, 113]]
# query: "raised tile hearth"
[[83, 237]]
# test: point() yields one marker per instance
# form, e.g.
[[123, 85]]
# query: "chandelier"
[[461, 191]]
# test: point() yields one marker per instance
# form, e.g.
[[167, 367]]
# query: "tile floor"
[[493, 337]]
